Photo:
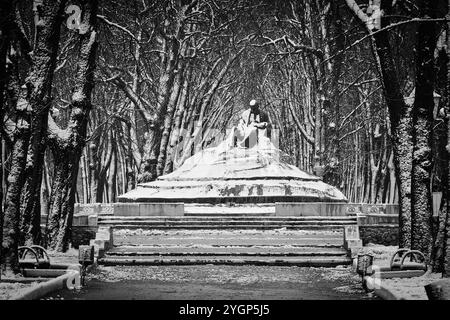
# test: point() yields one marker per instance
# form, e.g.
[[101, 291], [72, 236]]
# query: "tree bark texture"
[[67, 145], [31, 98], [401, 126], [422, 234], [45, 53]]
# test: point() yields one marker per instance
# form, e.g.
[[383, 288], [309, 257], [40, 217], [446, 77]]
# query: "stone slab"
[[161, 209], [93, 220], [297, 209], [377, 219], [316, 209], [126, 209], [80, 221], [351, 233], [380, 209]]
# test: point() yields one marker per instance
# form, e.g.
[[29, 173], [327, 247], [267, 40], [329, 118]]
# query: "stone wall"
[[379, 228], [130, 209], [379, 234], [94, 208], [85, 220], [281, 209], [378, 223], [377, 219], [148, 209], [81, 235], [85, 223], [332, 209], [314, 209]]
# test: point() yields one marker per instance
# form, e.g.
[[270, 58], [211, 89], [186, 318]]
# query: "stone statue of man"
[[253, 124]]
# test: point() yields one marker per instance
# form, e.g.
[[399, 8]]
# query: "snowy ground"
[[229, 282], [9, 290], [382, 254], [411, 289], [12, 289], [212, 282], [406, 288]]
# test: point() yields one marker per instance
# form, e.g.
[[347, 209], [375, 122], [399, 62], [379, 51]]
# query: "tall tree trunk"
[[112, 177], [11, 220], [148, 171], [62, 199], [132, 125], [6, 9], [168, 120], [31, 101], [421, 203], [47, 48], [177, 125], [67, 145], [399, 115], [94, 163], [443, 258], [446, 248]]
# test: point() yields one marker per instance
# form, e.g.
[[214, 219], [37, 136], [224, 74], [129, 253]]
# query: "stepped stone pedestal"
[[219, 175], [230, 206]]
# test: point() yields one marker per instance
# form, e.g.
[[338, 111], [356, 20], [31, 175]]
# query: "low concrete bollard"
[[103, 241], [352, 240], [438, 290]]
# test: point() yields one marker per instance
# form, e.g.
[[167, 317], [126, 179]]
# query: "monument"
[[236, 203], [244, 168]]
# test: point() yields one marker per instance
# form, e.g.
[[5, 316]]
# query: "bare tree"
[[32, 99], [67, 144]]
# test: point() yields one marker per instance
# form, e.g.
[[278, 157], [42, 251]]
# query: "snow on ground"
[[219, 274], [412, 288], [382, 254], [406, 288], [221, 281], [9, 290]]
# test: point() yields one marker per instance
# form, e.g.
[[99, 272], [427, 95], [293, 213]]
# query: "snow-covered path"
[[219, 282]]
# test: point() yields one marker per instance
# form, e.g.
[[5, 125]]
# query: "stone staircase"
[[227, 235], [237, 247], [227, 222]]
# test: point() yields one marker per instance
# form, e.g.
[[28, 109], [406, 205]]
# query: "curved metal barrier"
[[40, 260], [28, 263], [397, 258], [414, 263]]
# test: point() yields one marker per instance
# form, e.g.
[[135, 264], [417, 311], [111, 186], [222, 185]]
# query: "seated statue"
[[248, 142], [253, 126]]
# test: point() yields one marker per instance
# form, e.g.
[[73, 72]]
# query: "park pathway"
[[211, 282]]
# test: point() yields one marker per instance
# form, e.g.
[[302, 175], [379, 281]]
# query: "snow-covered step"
[[281, 247], [234, 227], [226, 250], [223, 218], [217, 238], [229, 260], [216, 222]]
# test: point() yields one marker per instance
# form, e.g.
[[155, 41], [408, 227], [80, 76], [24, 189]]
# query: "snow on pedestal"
[[232, 174]]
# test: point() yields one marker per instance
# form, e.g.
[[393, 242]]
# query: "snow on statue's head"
[[254, 105]]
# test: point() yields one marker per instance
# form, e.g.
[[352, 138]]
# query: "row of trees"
[[29, 128], [349, 85]]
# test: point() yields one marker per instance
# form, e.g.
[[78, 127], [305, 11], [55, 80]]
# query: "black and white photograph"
[[225, 155]]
